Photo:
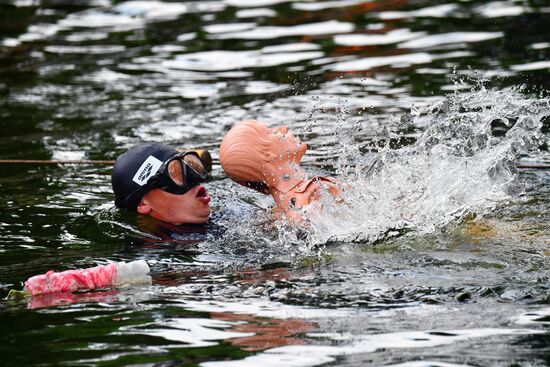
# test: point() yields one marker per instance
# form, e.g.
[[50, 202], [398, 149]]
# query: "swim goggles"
[[177, 175]]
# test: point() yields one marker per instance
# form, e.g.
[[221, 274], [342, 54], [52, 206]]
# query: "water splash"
[[463, 162]]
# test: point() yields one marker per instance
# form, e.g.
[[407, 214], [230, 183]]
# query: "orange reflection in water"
[[269, 332]]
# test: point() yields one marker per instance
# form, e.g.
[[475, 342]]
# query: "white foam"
[[255, 3], [326, 5], [537, 65], [194, 332], [291, 47], [255, 13], [124, 16], [455, 167], [373, 62], [228, 27], [450, 38], [271, 32], [499, 9], [540, 45], [85, 50], [395, 36], [233, 60], [438, 11], [151, 9]]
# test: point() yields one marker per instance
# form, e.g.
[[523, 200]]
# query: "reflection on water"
[[439, 258], [318, 355]]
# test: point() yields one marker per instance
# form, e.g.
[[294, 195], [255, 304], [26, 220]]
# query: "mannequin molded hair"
[[257, 157]]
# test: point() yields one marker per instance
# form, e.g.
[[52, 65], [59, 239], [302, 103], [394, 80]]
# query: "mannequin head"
[[262, 158]]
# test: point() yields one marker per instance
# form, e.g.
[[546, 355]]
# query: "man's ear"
[[143, 207]]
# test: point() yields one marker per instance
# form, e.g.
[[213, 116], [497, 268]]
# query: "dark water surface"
[[441, 256]]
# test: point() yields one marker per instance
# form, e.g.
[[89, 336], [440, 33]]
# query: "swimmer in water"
[[268, 160], [156, 180]]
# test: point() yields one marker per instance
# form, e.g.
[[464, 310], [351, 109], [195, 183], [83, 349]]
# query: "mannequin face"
[[284, 145], [282, 171]]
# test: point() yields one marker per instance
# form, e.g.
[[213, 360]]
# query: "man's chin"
[[203, 218]]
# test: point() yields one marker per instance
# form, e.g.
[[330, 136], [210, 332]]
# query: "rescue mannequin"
[[268, 160]]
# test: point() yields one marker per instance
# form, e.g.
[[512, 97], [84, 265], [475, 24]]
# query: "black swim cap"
[[133, 169]]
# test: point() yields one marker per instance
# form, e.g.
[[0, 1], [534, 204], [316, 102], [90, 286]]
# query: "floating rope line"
[[203, 154]]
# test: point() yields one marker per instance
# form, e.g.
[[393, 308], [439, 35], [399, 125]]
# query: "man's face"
[[192, 207]]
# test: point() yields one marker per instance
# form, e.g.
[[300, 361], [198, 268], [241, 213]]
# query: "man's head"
[[156, 180]]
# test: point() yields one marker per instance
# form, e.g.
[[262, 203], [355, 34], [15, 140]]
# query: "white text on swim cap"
[[146, 170]]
